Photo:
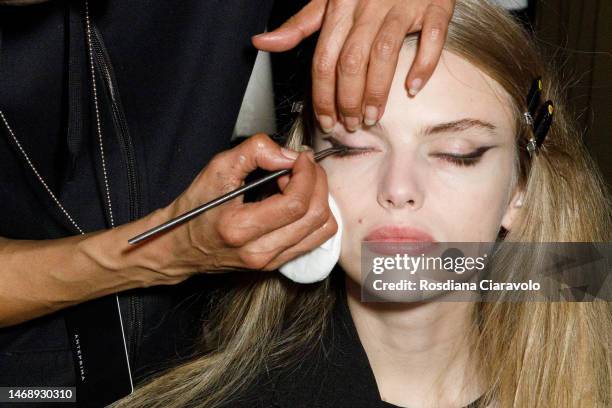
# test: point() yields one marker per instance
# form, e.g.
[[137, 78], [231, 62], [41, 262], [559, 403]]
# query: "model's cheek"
[[356, 198], [351, 177], [471, 175], [471, 214], [485, 182], [350, 253], [470, 201], [475, 178]]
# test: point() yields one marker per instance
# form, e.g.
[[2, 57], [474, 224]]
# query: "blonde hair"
[[536, 355]]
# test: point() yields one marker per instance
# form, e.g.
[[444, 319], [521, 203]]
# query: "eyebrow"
[[459, 126], [454, 126]]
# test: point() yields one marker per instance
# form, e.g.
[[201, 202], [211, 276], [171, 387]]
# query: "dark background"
[[581, 31]]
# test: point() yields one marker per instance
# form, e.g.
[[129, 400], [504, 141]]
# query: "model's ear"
[[513, 209]]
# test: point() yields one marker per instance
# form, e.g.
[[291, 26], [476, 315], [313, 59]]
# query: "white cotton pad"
[[315, 265]]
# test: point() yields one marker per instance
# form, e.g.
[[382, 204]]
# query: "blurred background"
[[576, 34], [580, 31]]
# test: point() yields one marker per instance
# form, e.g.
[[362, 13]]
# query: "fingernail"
[[371, 115], [415, 87], [290, 154], [351, 122], [327, 123]]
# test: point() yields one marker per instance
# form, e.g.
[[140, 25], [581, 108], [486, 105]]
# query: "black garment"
[[181, 68], [336, 375]]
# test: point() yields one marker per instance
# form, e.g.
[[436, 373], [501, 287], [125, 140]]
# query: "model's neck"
[[419, 352]]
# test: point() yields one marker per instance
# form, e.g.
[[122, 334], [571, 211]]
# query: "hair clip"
[[534, 96], [538, 118], [540, 126]]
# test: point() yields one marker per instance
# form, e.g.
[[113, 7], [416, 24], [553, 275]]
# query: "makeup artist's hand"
[[43, 276], [252, 235], [357, 52]]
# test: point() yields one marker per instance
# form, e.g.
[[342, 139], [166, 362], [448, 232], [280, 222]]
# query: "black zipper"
[[105, 68], [103, 62]]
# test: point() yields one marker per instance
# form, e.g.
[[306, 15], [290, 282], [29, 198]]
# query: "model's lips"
[[398, 233], [394, 239]]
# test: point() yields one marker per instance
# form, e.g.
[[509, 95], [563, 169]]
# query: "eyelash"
[[460, 161], [350, 151], [469, 159]]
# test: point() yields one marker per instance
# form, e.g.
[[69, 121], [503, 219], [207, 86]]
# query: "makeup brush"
[[226, 197]]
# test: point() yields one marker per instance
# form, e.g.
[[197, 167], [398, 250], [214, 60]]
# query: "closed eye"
[[468, 159], [349, 150]]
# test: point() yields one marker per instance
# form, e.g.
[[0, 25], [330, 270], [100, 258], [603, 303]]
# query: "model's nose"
[[400, 185]]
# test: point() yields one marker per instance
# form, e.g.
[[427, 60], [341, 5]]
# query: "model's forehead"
[[456, 90]]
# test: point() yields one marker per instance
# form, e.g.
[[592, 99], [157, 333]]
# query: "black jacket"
[[180, 69]]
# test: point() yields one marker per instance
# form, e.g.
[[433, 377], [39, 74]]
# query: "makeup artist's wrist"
[[140, 265]]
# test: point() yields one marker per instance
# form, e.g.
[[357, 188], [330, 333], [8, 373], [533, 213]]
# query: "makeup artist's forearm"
[[40, 277]]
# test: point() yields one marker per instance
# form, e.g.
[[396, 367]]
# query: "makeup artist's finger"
[[294, 30], [270, 245], [258, 151], [282, 182], [227, 170], [431, 42], [353, 63], [241, 224], [336, 27], [315, 238], [383, 61]]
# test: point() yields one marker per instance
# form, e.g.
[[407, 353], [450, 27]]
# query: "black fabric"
[[77, 75], [336, 375], [291, 71], [182, 69]]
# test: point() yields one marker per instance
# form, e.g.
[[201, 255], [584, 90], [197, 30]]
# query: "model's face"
[[412, 175]]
